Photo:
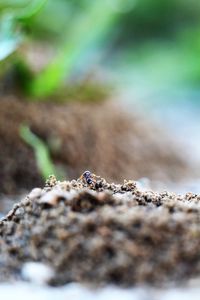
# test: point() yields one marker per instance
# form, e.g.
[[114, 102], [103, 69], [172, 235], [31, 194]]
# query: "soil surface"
[[91, 231], [98, 136]]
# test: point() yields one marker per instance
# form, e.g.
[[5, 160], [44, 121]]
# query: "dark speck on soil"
[[101, 233]]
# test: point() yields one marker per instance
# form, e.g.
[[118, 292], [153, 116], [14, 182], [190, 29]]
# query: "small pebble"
[[36, 272]]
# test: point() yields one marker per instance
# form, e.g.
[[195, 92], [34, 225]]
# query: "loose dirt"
[[101, 233]]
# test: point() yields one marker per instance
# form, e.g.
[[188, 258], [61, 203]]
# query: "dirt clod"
[[103, 233]]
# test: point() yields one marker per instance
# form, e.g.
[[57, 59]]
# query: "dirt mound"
[[96, 136], [94, 232]]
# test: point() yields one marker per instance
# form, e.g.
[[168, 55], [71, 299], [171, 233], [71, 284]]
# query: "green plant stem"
[[42, 154]]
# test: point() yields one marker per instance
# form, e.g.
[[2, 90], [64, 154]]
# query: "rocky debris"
[[101, 233]]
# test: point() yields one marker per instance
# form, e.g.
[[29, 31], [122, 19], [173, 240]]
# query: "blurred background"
[[111, 85]]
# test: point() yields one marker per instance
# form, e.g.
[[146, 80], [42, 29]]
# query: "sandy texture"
[[103, 233]]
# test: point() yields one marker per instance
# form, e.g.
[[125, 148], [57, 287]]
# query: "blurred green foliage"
[[157, 38], [13, 16], [85, 33]]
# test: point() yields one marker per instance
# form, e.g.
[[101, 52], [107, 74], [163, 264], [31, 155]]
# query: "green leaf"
[[21, 9], [86, 31], [32, 9], [9, 39], [10, 33]]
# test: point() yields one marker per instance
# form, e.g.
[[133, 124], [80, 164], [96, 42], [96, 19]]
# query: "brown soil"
[[103, 233], [98, 136]]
